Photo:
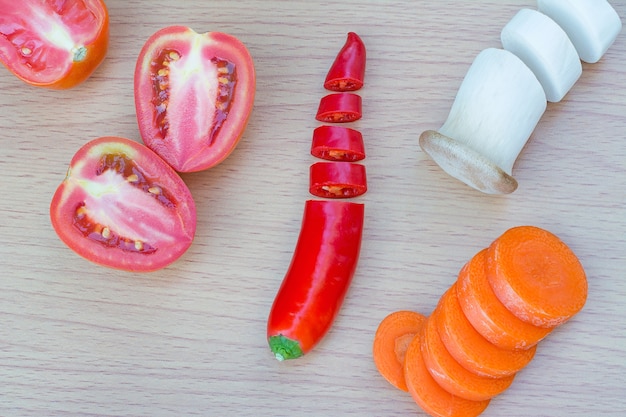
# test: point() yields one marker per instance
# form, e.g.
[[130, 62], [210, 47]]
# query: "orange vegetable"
[[428, 394], [487, 314], [469, 347], [450, 374], [536, 276], [391, 341]]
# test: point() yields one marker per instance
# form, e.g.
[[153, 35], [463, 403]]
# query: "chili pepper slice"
[[337, 143], [318, 278], [348, 70], [337, 179], [339, 108]]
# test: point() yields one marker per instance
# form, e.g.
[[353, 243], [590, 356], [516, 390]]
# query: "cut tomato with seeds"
[[122, 206], [53, 44], [193, 94]]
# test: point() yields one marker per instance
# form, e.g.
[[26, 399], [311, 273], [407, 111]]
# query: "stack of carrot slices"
[[486, 326]]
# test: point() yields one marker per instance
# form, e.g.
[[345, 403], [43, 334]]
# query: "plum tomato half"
[[53, 43], [193, 96], [122, 206]]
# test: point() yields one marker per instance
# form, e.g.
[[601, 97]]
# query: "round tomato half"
[[193, 96], [122, 206], [55, 44]]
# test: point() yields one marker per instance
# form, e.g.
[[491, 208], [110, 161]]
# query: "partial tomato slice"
[[122, 206], [55, 44], [193, 95]]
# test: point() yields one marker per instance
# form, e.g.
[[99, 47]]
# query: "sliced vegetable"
[[536, 276], [592, 25], [391, 341], [546, 49], [428, 394], [122, 206], [348, 70], [337, 143], [337, 179], [453, 377], [486, 312], [194, 94], [469, 348], [53, 44], [496, 109], [339, 108], [318, 278]]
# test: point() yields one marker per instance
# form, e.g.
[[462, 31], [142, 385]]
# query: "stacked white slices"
[[504, 93]]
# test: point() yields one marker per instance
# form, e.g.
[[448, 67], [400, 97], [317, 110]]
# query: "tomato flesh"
[[55, 44], [193, 95], [121, 206]]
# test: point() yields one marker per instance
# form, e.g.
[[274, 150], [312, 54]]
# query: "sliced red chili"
[[318, 277], [337, 179], [337, 143], [348, 69], [339, 108]]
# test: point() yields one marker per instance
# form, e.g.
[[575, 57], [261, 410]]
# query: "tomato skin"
[[337, 143], [43, 62], [331, 179], [339, 108], [318, 278], [347, 72], [123, 207], [194, 94]]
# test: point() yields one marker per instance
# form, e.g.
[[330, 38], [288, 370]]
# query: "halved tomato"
[[53, 43], [193, 96], [122, 206]]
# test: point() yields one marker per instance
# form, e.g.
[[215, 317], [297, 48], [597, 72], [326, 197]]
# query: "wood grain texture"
[[81, 340]]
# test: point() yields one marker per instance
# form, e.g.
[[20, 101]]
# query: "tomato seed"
[[106, 232], [132, 178]]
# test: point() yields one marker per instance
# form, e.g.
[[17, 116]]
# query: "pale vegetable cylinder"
[[592, 25], [546, 49], [496, 109]]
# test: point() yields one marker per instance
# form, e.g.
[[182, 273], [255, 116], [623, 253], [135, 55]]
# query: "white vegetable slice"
[[592, 25], [495, 111], [546, 49]]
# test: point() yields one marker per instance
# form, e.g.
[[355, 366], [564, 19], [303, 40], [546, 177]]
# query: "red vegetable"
[[193, 95], [51, 43], [318, 277], [337, 143], [339, 108], [337, 179], [122, 206], [348, 69]]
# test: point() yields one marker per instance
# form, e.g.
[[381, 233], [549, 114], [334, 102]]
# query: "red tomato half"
[[193, 95], [53, 43], [122, 206]]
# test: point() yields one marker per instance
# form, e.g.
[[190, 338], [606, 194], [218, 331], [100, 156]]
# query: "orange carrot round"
[[469, 347], [536, 276], [449, 373], [428, 394], [391, 341], [487, 314]]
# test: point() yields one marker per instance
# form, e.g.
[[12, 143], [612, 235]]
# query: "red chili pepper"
[[337, 143], [339, 108], [318, 277], [348, 69], [337, 179]]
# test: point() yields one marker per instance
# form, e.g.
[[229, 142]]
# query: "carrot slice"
[[428, 394], [487, 314], [450, 374], [536, 276], [469, 347], [391, 341]]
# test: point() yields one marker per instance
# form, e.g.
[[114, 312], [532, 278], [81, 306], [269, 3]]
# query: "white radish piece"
[[546, 49], [592, 25], [495, 111]]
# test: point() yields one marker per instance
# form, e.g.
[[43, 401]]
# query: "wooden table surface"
[[78, 339]]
